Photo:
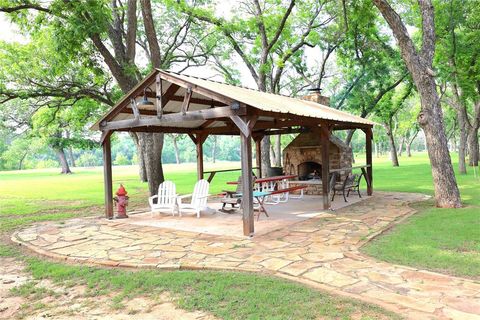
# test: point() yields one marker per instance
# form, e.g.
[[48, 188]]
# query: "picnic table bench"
[[212, 173], [269, 179], [263, 194]]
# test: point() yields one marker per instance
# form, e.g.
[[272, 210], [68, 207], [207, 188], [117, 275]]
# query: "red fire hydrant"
[[122, 201]]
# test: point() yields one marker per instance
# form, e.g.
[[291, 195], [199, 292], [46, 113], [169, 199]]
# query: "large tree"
[[113, 31], [265, 36], [387, 110], [419, 63], [458, 65]]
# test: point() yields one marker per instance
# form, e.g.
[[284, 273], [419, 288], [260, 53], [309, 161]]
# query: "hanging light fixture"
[[145, 102]]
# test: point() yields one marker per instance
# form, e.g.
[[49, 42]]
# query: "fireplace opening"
[[309, 171]]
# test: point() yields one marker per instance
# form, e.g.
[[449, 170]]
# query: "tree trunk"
[[214, 149], [393, 149], [63, 160], [266, 166], [151, 146], [430, 118], [400, 148], [473, 149], [462, 147], [175, 147], [72, 158], [273, 156], [278, 151], [20, 162], [408, 149], [348, 142], [348, 139], [377, 155], [142, 170], [70, 151], [410, 141]]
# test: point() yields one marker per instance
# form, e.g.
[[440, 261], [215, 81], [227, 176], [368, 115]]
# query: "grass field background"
[[446, 240]]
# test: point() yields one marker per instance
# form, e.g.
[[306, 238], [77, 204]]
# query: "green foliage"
[[370, 64], [87, 159], [458, 48]]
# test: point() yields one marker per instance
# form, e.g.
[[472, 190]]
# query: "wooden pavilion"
[[198, 107]]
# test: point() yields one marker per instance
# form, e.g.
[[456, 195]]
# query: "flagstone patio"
[[321, 251]]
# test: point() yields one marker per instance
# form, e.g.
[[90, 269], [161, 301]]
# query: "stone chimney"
[[316, 96]]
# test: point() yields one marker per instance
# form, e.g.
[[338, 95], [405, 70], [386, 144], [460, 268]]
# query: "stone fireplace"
[[303, 157]]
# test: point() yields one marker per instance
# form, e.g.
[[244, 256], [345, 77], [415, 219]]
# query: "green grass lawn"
[[227, 295], [445, 240], [45, 195]]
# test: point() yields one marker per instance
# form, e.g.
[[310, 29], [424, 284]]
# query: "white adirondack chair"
[[199, 198], [166, 198]]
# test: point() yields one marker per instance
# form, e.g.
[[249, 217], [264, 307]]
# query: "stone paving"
[[322, 252]]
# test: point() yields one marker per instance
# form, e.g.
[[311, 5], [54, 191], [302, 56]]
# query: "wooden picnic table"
[[269, 179], [260, 196]]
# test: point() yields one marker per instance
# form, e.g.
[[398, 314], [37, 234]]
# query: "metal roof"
[[264, 101], [273, 102]]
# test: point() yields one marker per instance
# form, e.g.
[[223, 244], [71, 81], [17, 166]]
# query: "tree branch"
[[131, 30], [152, 39]]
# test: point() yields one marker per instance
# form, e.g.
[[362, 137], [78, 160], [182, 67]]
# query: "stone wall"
[[307, 147], [318, 98]]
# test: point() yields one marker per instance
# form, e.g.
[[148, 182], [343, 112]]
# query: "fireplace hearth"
[[303, 157], [309, 170]]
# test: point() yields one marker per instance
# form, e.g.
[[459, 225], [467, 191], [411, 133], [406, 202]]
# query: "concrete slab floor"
[[212, 221]]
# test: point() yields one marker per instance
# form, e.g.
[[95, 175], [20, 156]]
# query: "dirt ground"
[[51, 301]]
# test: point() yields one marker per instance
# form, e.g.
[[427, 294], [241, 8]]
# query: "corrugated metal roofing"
[[260, 100], [273, 102]]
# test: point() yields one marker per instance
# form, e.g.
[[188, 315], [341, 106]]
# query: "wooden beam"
[[247, 183], [107, 176], [285, 131], [204, 114], [231, 130], [200, 139], [136, 112], [279, 116], [258, 153], [192, 137], [241, 125], [198, 89], [136, 91], [206, 124], [169, 94], [280, 124], [186, 101], [325, 141], [143, 112], [368, 147], [245, 125], [105, 135], [349, 127], [158, 96], [206, 102], [166, 97]]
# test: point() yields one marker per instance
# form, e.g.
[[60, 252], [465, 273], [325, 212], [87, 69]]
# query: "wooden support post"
[[107, 175], [247, 184], [158, 96], [325, 139], [368, 147], [258, 154], [200, 160], [199, 139]]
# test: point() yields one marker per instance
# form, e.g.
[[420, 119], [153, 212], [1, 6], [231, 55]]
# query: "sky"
[[8, 31]]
